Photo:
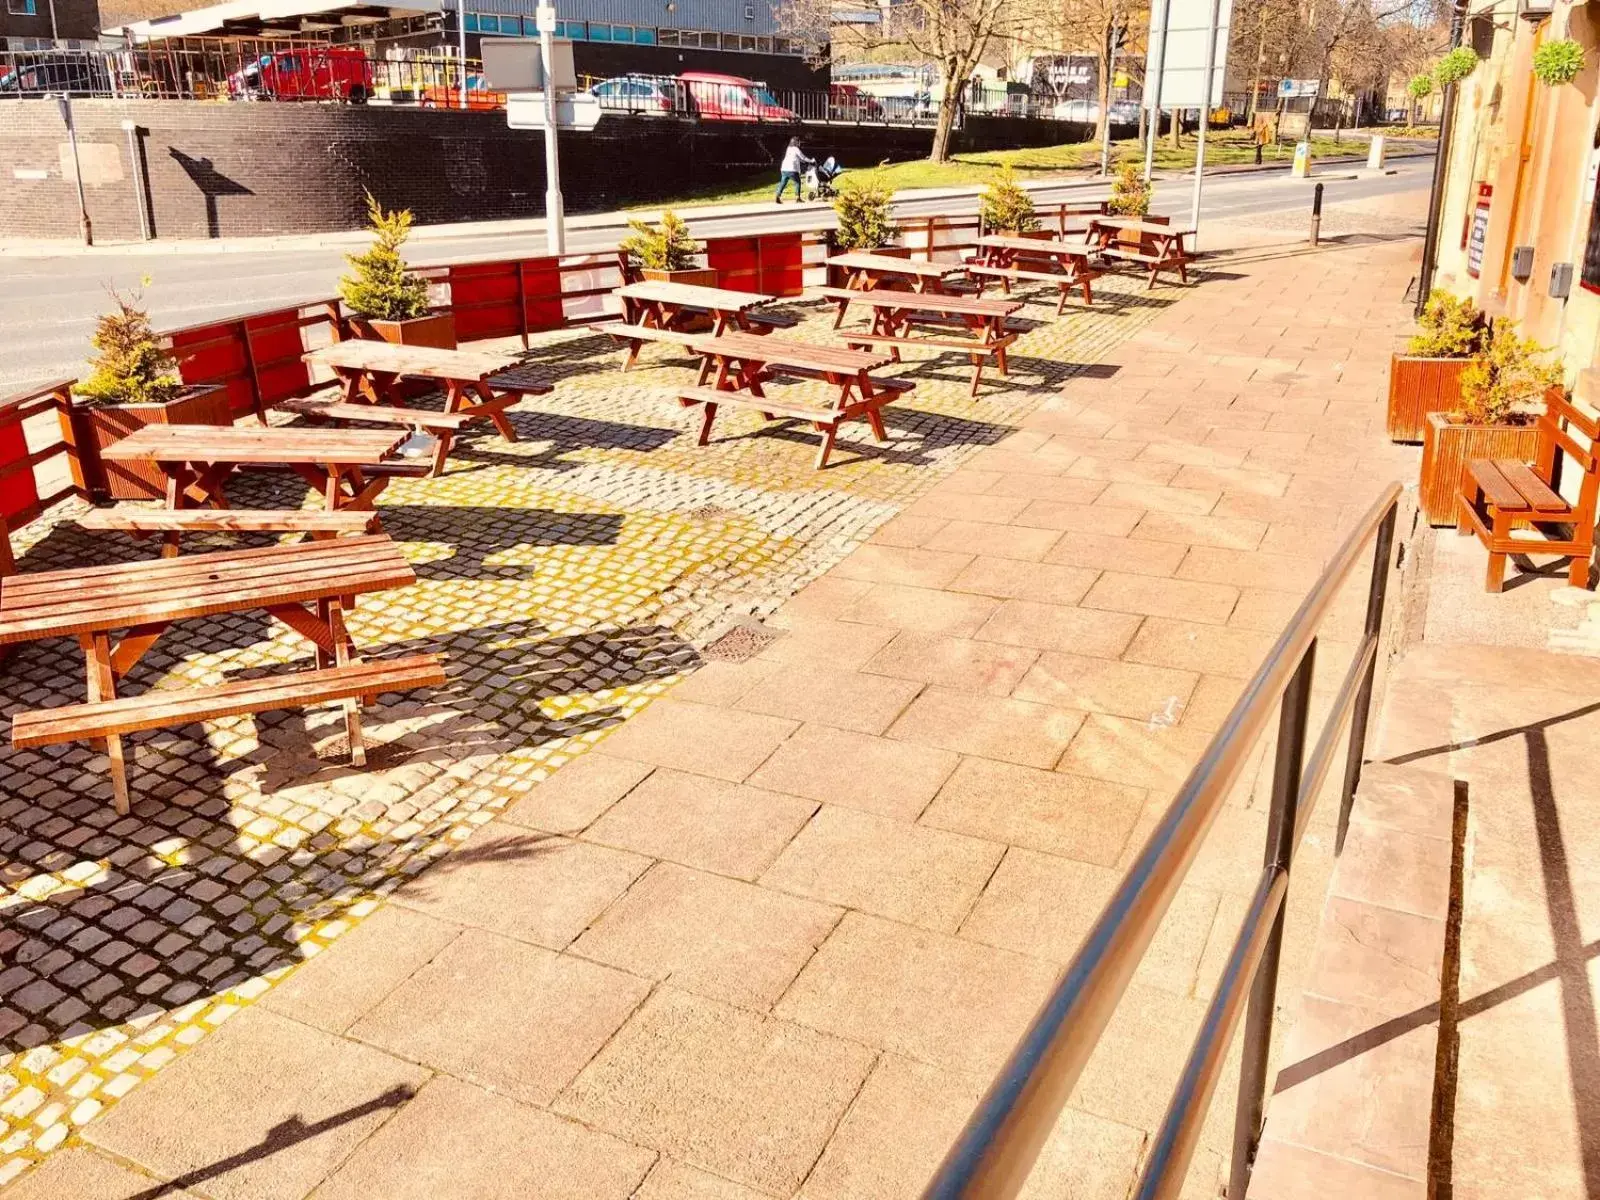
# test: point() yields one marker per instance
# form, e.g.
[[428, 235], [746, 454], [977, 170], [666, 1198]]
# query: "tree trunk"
[[948, 104], [1261, 60], [1177, 128], [1107, 56]]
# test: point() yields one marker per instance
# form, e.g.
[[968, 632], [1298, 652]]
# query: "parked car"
[[306, 73], [638, 96], [70, 73], [730, 98], [1124, 112], [1076, 110], [847, 102]]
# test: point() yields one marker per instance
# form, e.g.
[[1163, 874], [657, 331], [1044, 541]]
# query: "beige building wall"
[[1532, 145]]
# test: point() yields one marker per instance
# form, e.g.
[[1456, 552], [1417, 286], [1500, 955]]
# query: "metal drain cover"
[[741, 643]]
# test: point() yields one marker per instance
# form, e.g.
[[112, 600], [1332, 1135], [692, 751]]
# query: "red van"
[[306, 73], [729, 98]]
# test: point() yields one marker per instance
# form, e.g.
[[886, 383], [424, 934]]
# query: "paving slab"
[[461, 1141], [740, 1095], [835, 766], [313, 1098], [80, 1173], [503, 1014]]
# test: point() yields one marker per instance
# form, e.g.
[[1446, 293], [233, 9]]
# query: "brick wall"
[[232, 170]]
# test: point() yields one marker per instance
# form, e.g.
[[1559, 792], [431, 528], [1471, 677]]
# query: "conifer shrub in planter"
[[863, 205], [386, 301], [1501, 396], [665, 251], [134, 382], [1006, 207], [1130, 197], [1427, 377]]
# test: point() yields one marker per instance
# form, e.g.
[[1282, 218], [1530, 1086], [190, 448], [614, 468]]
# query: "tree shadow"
[[560, 435], [477, 535]]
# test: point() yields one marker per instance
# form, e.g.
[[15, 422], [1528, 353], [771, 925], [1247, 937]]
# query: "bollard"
[[1376, 152], [1316, 214], [1258, 154]]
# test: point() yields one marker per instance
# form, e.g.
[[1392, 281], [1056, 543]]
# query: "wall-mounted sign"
[[1478, 234], [1289, 88]]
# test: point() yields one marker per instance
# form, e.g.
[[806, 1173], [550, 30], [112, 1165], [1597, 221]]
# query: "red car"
[[306, 73], [729, 98]]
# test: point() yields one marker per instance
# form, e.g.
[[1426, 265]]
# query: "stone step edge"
[[1361, 1124]]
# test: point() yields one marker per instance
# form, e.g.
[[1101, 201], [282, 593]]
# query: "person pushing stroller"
[[795, 161]]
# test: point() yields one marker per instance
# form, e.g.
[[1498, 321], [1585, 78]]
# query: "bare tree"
[[1108, 29], [953, 35]]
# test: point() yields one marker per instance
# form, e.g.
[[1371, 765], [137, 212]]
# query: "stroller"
[[817, 182]]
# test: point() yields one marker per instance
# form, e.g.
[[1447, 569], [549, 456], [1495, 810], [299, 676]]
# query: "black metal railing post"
[[1289, 763], [1377, 594]]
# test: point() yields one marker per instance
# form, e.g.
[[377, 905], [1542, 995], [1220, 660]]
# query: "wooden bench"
[[1517, 508], [896, 314], [1160, 245], [168, 707], [141, 522], [823, 419], [1082, 279], [441, 426]]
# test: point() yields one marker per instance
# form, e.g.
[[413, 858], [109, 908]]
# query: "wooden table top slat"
[[242, 444], [785, 352], [888, 264], [929, 302], [153, 592], [359, 354], [1005, 241], [662, 291]]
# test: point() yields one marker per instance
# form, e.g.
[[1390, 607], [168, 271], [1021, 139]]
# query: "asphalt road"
[[48, 304]]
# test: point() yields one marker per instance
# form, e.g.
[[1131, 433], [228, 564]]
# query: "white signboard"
[[1180, 55], [574, 110], [1299, 87], [514, 65]]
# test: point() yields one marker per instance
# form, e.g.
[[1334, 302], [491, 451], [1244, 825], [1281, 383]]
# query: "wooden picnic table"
[[371, 371], [745, 362], [865, 271], [307, 586], [896, 315], [1161, 246], [1064, 262], [344, 465], [657, 310]]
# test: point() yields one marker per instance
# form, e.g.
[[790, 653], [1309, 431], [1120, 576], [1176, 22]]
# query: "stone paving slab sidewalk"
[[772, 937]]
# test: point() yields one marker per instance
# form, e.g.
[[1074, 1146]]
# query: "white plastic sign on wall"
[[514, 65], [1183, 60], [579, 110]]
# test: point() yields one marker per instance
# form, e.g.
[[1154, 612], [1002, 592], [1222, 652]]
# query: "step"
[[1351, 1109]]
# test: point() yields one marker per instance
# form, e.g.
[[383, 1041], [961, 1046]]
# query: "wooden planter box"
[[91, 430], [436, 329], [1448, 447], [693, 276], [1417, 387]]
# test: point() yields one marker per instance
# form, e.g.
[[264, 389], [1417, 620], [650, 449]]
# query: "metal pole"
[[461, 47], [136, 170], [555, 221], [1316, 214], [1377, 592], [1205, 122], [1292, 720], [1154, 122], [1430, 238], [1111, 70], [64, 102]]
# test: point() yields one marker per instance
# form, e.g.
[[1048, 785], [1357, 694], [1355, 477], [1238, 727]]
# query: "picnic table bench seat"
[[1517, 508], [895, 314], [317, 523], [165, 708], [1160, 247]]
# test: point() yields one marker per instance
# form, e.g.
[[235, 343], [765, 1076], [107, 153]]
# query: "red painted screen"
[[18, 492], [772, 264]]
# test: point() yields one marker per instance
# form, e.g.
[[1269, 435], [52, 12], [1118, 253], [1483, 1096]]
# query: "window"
[[530, 26], [621, 33], [668, 37], [599, 32], [764, 45], [473, 25], [22, 8], [644, 37]]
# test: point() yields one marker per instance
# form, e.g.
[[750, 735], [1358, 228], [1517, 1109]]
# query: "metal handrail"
[[995, 1152]]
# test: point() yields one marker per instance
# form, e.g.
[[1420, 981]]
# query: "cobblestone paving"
[[569, 578]]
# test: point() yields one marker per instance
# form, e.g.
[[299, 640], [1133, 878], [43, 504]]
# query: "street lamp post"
[[84, 225], [461, 48], [554, 210]]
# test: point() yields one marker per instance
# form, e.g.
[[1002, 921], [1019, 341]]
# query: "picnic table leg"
[[496, 417], [829, 430], [102, 683], [1495, 580], [708, 414], [342, 656]]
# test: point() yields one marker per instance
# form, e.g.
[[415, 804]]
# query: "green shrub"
[[131, 367], [1005, 206], [380, 287], [1509, 381], [1558, 62], [1130, 192], [862, 205], [663, 247], [1455, 66], [1420, 87], [1448, 328]]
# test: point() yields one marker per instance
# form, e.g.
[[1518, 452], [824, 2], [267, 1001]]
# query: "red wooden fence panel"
[[771, 264]]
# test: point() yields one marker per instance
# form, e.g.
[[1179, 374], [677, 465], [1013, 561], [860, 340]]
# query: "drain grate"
[[741, 643], [711, 512]]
